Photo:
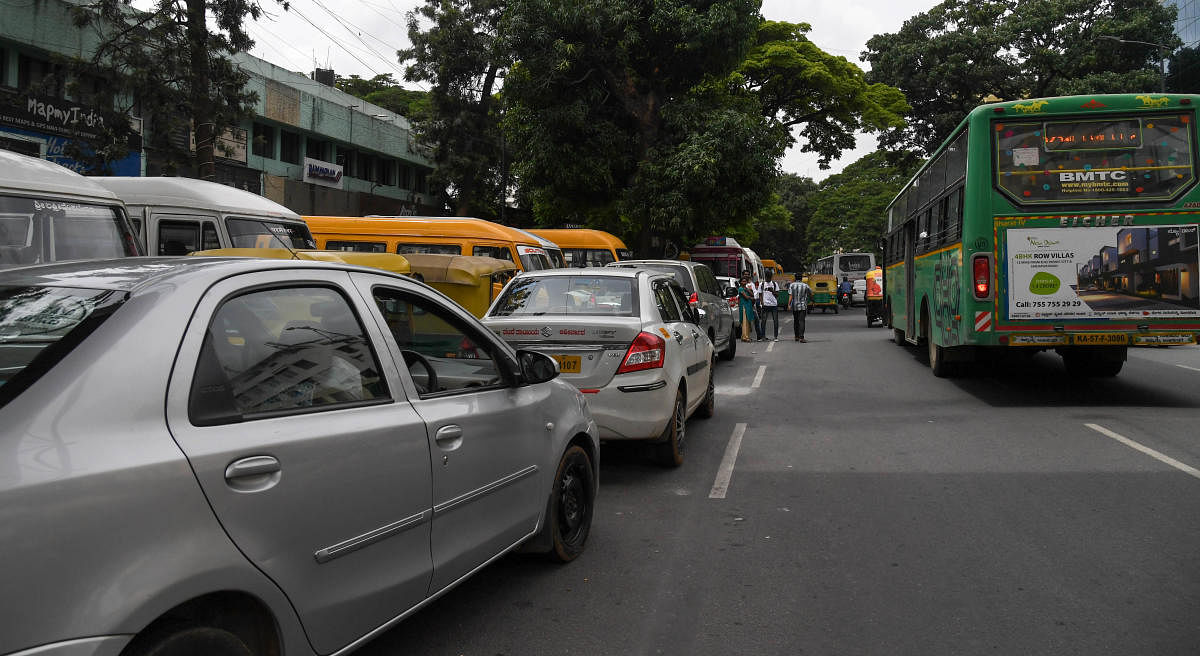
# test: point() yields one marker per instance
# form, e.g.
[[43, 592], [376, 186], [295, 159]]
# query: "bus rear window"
[[855, 263], [1144, 158], [40, 325]]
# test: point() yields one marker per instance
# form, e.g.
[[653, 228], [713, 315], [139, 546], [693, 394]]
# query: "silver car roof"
[[133, 273]]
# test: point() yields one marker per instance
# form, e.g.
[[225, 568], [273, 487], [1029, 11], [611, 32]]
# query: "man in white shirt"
[[798, 295], [770, 307]]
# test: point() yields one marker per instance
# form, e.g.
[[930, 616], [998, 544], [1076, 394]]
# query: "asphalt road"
[[874, 509]]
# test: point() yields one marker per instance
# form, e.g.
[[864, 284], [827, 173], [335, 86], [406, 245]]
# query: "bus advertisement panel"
[[1103, 273]]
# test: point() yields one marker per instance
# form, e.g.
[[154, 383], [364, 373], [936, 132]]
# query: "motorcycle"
[[845, 299]]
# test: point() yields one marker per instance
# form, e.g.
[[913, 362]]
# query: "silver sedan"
[[627, 338], [236, 456]]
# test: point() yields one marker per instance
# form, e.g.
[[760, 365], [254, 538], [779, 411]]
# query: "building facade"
[[311, 147]]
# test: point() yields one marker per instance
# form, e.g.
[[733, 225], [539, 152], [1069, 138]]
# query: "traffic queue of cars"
[[246, 455]]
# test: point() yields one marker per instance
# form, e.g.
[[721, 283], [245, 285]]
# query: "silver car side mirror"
[[536, 367]]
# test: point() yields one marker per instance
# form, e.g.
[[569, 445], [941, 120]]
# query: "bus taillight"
[[981, 276]]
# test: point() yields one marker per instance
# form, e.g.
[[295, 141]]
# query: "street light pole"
[[1162, 57]]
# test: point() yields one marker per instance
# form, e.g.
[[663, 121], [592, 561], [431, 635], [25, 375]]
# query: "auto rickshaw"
[[473, 282], [874, 296], [824, 292]]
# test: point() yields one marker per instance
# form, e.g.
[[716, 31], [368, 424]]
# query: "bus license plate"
[[568, 364], [1101, 339]]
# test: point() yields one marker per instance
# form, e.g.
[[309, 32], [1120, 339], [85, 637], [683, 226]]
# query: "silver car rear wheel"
[[670, 450]]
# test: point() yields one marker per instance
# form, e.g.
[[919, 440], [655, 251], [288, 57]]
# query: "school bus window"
[[437, 249], [356, 246]]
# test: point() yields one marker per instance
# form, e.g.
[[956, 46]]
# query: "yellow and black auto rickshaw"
[[824, 292]]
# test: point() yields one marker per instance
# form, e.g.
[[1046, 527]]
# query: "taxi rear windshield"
[[1147, 157], [568, 295], [40, 325]]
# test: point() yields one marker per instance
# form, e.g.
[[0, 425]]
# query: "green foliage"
[[949, 59], [383, 90], [173, 63], [619, 116], [786, 242], [848, 213], [1184, 71], [828, 97], [462, 55]]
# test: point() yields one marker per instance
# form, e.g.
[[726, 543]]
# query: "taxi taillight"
[[646, 352], [981, 276]]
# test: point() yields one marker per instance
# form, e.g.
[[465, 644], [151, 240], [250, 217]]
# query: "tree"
[[622, 116], [171, 65], [825, 97], [788, 243], [383, 90], [463, 57], [848, 213], [1183, 75], [948, 59]]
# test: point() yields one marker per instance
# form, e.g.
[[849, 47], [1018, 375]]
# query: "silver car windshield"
[[40, 325], [568, 295]]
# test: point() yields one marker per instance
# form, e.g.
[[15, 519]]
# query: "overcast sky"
[[367, 34]]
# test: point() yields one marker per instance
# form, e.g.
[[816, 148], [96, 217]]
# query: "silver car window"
[[665, 299], [442, 353], [281, 351]]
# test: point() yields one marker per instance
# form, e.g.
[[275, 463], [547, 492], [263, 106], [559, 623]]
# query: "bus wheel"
[[937, 353]]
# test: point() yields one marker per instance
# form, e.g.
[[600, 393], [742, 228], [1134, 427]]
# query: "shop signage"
[[322, 173], [50, 115]]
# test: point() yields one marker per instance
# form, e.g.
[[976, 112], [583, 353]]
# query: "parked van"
[[49, 213], [583, 247], [176, 216], [429, 234]]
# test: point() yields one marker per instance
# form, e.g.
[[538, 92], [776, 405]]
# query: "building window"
[[387, 172], [264, 140], [289, 147], [315, 149], [39, 76], [345, 159], [365, 167], [4, 81]]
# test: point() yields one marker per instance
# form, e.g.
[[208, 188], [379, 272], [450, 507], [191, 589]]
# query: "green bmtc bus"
[[1059, 223]]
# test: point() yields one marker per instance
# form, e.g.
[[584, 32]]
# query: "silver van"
[[49, 213], [176, 216]]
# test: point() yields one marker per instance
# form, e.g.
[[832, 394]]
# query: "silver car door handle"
[[252, 466], [448, 437]]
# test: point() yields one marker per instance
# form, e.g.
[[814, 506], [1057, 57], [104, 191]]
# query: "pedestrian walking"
[[770, 306], [756, 291], [746, 304], [798, 296]]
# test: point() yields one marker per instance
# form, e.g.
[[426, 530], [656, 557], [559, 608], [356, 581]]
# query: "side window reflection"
[[283, 349], [437, 347]]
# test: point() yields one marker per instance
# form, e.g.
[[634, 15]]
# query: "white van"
[[49, 213], [176, 216]]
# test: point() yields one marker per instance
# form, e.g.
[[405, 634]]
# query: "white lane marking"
[[732, 390], [758, 377], [725, 471], [770, 347], [1187, 469], [1184, 366]]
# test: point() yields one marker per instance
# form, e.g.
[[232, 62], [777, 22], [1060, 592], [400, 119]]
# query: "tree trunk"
[[202, 114]]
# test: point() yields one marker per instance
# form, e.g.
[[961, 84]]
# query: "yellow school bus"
[[429, 234], [583, 247]]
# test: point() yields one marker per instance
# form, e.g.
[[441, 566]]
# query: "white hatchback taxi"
[[626, 338]]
